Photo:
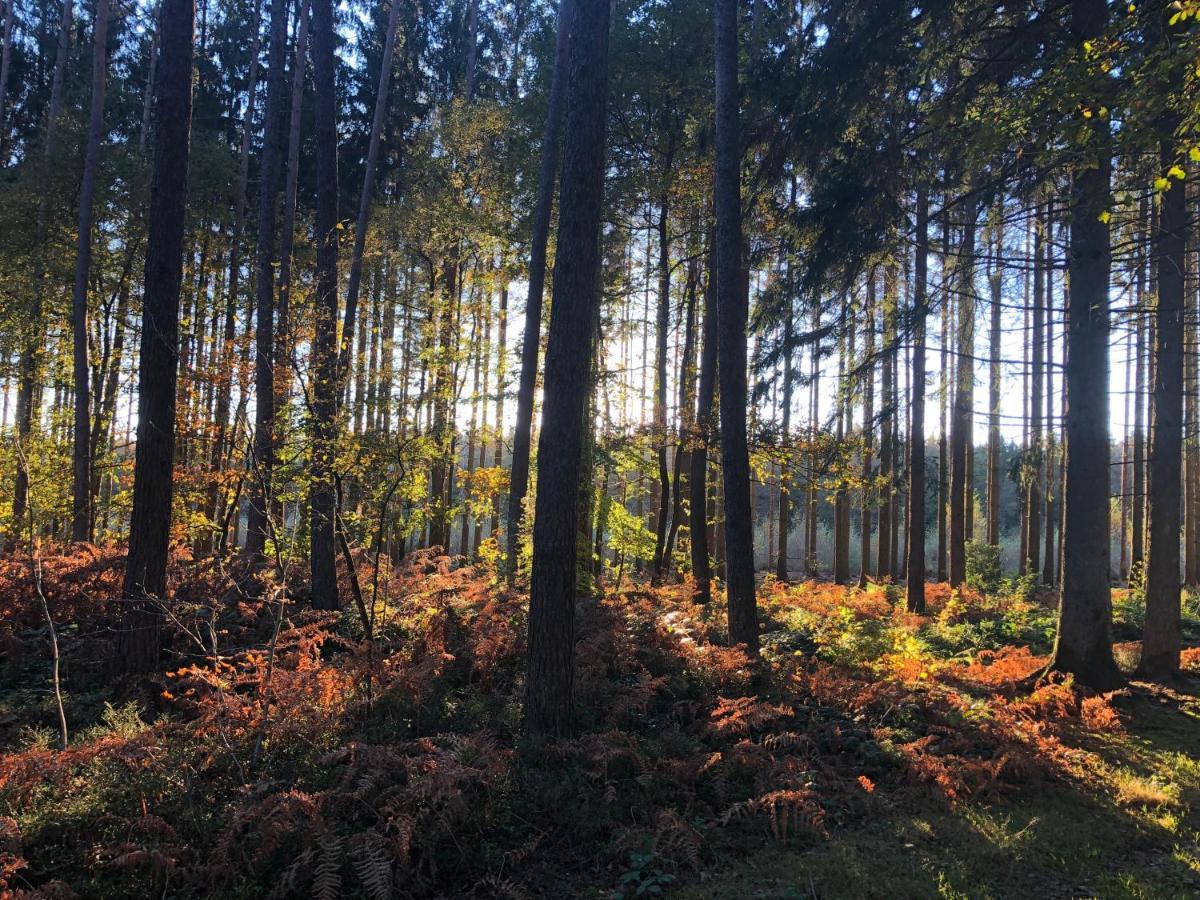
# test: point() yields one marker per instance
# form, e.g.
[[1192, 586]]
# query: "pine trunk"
[[145, 586]]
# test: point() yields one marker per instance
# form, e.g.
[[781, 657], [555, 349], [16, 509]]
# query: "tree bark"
[[867, 506], [662, 326], [81, 521], [368, 190], [527, 384], [995, 447], [888, 451], [549, 688], [698, 477], [325, 387], [30, 364], [5, 68], [224, 369], [915, 588], [263, 463], [282, 378], [732, 303], [150, 522], [961, 506], [1084, 644], [1161, 639], [1033, 504]]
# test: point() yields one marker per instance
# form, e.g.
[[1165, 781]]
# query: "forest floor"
[[872, 754], [1121, 823]]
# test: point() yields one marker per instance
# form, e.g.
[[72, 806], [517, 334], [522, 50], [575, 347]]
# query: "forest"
[[599, 448]]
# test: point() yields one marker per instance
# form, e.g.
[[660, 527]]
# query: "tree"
[[527, 384], [5, 69], [81, 521], [264, 285], [961, 505], [732, 302], [698, 476], [915, 587], [1084, 644], [30, 364], [325, 388], [150, 522], [573, 314], [1161, 639], [994, 380]]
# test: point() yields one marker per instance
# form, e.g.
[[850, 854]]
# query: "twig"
[[35, 564]]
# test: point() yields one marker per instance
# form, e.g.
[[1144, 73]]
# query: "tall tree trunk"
[[367, 195], [527, 384], [282, 377], [224, 370], [150, 522], [151, 67], [869, 425], [943, 404], [1036, 449], [1191, 565], [1051, 485], [961, 506], [687, 402], [995, 447], [662, 327], [810, 537], [1084, 644], [1161, 640], [30, 363], [322, 493], [732, 303], [887, 409], [698, 477], [845, 414], [5, 69], [263, 462], [781, 560], [501, 387], [81, 521], [549, 686], [915, 592], [1126, 486]]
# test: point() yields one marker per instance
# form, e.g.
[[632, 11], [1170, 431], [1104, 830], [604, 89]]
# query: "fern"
[[327, 877], [787, 813], [372, 865]]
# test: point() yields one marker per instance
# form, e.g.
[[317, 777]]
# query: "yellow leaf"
[[1194, 154], [1177, 173], [1105, 217], [1161, 184]]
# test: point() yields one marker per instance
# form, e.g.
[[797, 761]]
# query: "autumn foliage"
[[291, 756]]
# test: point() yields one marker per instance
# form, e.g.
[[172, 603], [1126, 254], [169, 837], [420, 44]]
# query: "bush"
[[983, 568]]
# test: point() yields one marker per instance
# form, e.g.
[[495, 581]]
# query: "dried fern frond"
[[787, 813]]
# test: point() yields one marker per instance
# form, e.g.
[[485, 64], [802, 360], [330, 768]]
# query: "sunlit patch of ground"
[[1124, 822]]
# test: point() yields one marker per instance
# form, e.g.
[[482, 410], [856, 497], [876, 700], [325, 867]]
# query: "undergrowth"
[[317, 763]]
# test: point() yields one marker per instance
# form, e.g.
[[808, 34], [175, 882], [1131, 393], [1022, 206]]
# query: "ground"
[[378, 752], [1123, 824]]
